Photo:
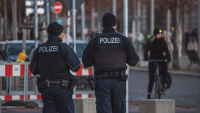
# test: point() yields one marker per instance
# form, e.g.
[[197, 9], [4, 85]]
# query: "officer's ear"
[[115, 26]]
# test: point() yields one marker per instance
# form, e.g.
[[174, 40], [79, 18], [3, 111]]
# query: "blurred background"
[[17, 20], [178, 19]]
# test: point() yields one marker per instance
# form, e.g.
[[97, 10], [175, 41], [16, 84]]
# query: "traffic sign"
[[58, 7], [68, 3]]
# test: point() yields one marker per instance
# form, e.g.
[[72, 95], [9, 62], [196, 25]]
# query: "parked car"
[[10, 50]]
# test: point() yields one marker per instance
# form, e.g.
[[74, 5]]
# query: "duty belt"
[[63, 83], [109, 75]]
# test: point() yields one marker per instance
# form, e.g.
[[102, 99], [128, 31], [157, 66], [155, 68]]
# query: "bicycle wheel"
[[158, 87]]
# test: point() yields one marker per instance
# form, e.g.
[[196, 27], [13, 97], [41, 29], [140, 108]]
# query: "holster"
[[123, 77], [40, 85], [73, 81], [92, 82], [64, 84]]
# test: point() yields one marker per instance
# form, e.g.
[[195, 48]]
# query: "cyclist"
[[157, 49]]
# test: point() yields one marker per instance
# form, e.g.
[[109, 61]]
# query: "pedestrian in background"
[[20, 34], [109, 52], [195, 35], [180, 42], [187, 38], [53, 61], [172, 34]]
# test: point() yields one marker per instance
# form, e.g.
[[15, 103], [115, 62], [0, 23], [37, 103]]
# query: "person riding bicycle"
[[157, 49]]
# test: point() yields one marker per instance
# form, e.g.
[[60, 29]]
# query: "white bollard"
[[85, 105], [157, 106]]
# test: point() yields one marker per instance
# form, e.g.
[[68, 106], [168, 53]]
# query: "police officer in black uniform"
[[109, 52], [53, 61]]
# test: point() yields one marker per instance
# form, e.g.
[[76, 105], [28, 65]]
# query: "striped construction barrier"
[[12, 70], [37, 97], [18, 70]]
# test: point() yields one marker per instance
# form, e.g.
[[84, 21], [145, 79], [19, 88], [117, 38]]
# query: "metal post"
[[68, 26], [93, 19], [1, 29], [36, 90], [152, 16], [74, 23], [56, 16], [133, 31], [168, 24], [83, 21], [5, 22], [199, 29], [25, 81], [7, 85], [114, 7], [47, 14], [99, 18], [74, 26], [139, 15], [126, 34], [14, 18], [10, 84], [36, 24]]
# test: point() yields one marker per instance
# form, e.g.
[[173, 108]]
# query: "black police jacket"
[[109, 51], [53, 59], [158, 49]]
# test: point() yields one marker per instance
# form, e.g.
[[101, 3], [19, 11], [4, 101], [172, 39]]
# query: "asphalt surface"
[[135, 111], [185, 90]]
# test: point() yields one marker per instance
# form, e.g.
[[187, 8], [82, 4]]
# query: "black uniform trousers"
[[163, 72], [110, 96], [56, 99]]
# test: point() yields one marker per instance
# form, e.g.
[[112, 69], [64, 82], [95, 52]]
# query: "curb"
[[172, 72]]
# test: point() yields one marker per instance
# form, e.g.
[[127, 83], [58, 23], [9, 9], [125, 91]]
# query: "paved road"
[[185, 89], [135, 111], [186, 111]]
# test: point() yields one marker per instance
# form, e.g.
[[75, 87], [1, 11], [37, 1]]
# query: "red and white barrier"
[[18, 70], [83, 71], [38, 97], [11, 70]]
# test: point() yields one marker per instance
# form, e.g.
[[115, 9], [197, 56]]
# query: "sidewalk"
[[183, 62]]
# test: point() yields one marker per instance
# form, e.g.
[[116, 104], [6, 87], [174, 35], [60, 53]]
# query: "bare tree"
[[175, 52]]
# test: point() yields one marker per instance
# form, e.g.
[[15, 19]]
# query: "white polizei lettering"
[[46, 49], [50, 49], [108, 40], [117, 40], [113, 40], [43, 49], [55, 48], [104, 40], [40, 49], [101, 40]]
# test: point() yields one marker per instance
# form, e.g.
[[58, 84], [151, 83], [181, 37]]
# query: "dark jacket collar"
[[53, 38], [108, 30]]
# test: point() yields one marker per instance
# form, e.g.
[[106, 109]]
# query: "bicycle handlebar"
[[158, 60]]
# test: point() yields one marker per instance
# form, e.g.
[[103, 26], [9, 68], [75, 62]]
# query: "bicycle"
[[159, 89]]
